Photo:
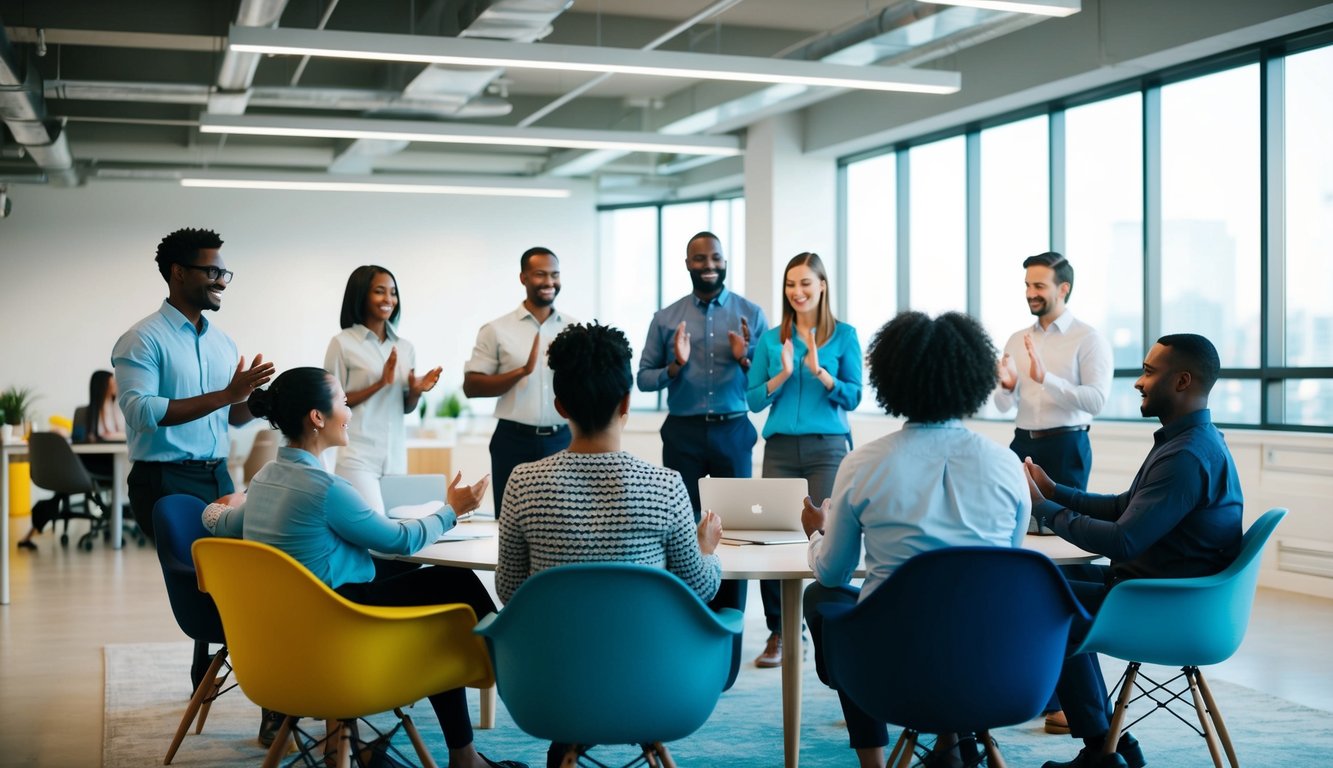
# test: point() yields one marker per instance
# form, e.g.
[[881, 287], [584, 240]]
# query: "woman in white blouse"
[[376, 367]]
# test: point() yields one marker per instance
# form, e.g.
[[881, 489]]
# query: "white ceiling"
[[152, 64]]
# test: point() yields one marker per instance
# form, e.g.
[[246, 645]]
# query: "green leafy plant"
[[451, 407], [14, 403]]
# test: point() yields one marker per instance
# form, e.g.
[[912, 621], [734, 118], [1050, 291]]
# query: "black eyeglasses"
[[212, 273]]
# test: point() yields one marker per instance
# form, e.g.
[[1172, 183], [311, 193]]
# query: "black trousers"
[[694, 448], [513, 444]]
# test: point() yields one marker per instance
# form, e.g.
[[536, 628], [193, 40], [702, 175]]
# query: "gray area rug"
[[147, 689]]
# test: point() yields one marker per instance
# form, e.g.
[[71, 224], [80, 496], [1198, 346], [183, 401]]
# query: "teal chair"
[[609, 653], [1186, 623]]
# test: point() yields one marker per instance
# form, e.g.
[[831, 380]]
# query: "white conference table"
[[120, 463], [785, 562]]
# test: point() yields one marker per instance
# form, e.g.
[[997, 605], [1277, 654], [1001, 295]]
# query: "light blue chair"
[[1184, 623], [956, 641], [609, 653]]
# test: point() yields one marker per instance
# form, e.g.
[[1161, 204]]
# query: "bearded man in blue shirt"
[[1180, 518]]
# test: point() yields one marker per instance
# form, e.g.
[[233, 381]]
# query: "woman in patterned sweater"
[[594, 502]]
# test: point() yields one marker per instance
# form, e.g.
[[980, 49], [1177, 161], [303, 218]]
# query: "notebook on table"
[[756, 510]]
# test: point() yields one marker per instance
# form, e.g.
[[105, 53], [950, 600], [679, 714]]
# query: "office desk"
[[120, 463], [785, 562]]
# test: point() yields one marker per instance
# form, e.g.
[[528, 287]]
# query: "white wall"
[[77, 269]]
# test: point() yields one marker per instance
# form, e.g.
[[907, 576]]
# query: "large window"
[[1210, 211], [642, 263], [1015, 219], [1171, 201], [938, 231], [871, 250]]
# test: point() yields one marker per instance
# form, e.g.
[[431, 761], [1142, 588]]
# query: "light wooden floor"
[[67, 604]]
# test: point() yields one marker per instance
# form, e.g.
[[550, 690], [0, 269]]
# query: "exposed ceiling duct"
[[237, 72], [23, 110]]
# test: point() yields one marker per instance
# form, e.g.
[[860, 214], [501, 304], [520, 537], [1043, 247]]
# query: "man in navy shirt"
[[1181, 517]]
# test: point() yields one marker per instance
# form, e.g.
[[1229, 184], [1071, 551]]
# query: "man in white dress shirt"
[[509, 362], [1058, 370]]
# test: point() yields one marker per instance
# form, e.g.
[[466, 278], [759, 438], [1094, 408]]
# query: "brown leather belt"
[[1037, 434]]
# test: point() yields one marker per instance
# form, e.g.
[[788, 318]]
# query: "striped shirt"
[[599, 507]]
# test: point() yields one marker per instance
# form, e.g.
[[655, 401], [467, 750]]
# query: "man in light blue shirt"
[[699, 350], [181, 382], [931, 485]]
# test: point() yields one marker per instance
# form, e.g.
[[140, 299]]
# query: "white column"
[[790, 207]]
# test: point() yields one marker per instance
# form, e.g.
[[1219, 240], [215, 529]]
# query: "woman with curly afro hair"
[[930, 485]]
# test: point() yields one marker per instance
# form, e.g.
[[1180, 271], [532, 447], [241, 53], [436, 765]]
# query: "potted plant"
[[444, 421], [14, 403]]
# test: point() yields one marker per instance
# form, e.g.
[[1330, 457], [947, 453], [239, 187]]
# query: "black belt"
[[528, 429], [1037, 434], [712, 417], [207, 463]]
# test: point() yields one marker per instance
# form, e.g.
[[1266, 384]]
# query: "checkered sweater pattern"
[[599, 507]]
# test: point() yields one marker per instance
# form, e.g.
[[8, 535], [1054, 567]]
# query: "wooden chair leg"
[[1214, 749], [571, 758], [345, 736], [196, 701], [993, 757], [212, 674], [1121, 705], [1216, 715], [897, 749], [664, 755], [414, 735], [487, 708], [279, 746], [908, 754]]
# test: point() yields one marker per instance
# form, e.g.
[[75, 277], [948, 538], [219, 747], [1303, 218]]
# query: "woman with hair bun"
[[319, 519]]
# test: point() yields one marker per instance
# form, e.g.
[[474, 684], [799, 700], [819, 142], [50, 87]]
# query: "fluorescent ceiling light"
[[461, 51], [1039, 7], [458, 133], [296, 182]]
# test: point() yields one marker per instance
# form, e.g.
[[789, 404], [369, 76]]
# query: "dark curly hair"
[[291, 396], [931, 369], [591, 374], [182, 247]]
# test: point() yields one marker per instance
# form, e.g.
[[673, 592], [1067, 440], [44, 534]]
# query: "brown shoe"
[[1056, 722], [772, 655]]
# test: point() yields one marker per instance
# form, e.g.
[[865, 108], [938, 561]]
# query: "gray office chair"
[[56, 468]]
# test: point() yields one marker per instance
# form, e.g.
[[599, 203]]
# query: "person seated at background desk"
[[1181, 517], [932, 484], [101, 423], [593, 502], [318, 518]]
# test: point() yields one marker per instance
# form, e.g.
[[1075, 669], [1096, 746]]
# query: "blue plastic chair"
[[177, 523], [1184, 623], [958, 640], [609, 653]]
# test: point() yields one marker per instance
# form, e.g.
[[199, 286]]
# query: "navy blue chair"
[[957, 640], [176, 520], [610, 653]]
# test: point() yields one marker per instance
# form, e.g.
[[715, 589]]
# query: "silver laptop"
[[759, 510], [411, 490]]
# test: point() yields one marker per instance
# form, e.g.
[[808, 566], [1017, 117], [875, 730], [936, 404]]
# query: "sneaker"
[[1056, 722], [269, 723], [772, 655]]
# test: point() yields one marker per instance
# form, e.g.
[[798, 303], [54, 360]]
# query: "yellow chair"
[[299, 647]]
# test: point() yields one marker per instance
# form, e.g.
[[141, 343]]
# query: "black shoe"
[[25, 544], [501, 763], [269, 723], [1127, 754]]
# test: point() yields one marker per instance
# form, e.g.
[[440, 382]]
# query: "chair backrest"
[[78, 432], [609, 653], [297, 646], [1178, 622], [55, 467], [263, 450], [177, 523], [957, 639]]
